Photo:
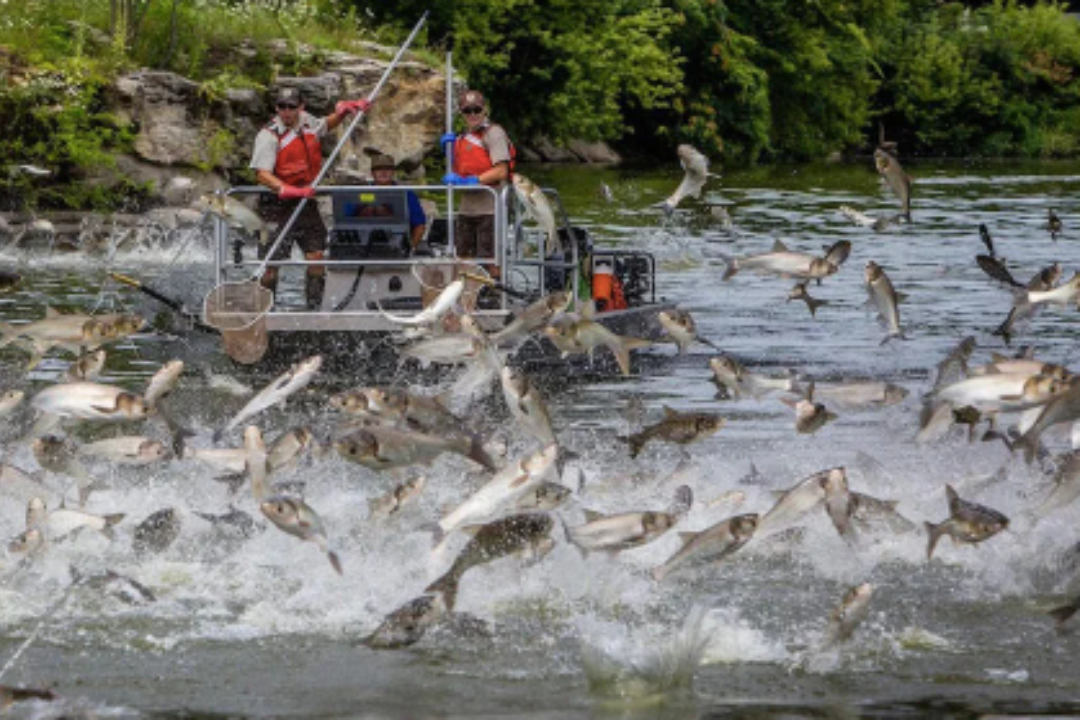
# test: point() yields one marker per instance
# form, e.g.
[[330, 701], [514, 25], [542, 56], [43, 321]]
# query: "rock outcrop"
[[206, 132]]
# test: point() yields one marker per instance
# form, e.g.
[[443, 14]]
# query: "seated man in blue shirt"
[[382, 173]]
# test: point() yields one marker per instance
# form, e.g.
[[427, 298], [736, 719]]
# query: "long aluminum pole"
[[450, 150], [341, 143]]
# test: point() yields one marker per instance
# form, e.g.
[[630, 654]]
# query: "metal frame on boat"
[[370, 268]]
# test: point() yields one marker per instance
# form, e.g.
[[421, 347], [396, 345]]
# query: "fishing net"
[[238, 311]]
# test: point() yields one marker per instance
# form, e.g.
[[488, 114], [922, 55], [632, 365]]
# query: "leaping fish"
[[696, 168]]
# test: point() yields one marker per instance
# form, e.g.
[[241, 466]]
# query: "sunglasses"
[[287, 106], [472, 110]]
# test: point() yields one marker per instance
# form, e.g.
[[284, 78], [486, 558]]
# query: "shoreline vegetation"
[[755, 82]]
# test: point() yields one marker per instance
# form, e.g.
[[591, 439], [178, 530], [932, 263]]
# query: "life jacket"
[[472, 158], [299, 154]]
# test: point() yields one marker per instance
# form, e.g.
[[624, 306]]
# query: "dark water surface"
[[266, 628]]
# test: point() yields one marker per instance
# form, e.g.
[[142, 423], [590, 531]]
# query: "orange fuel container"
[[607, 290]]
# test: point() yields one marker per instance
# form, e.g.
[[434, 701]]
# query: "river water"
[[264, 627]]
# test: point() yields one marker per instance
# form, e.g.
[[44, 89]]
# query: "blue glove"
[[447, 139], [455, 179]]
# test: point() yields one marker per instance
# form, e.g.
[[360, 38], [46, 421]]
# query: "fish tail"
[[335, 561], [10, 334], [479, 455], [1062, 614], [447, 585], [621, 352], [636, 442], [732, 267], [935, 532]]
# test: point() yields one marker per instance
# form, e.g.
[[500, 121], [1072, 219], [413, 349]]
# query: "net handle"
[[341, 143]]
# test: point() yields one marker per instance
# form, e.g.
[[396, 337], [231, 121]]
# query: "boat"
[[371, 269]]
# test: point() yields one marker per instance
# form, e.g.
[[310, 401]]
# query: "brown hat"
[[382, 162], [470, 98], [289, 95]]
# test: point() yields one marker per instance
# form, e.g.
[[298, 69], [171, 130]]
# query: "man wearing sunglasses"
[[483, 155], [287, 159]]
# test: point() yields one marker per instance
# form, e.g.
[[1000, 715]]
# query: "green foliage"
[[564, 69], [995, 81]]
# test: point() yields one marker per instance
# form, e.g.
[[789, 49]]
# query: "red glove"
[[291, 192], [348, 107]]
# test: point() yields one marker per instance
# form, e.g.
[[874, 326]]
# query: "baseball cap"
[[289, 95], [382, 162], [470, 98]]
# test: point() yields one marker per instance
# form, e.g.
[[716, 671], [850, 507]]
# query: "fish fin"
[[1062, 614], [996, 357], [934, 532], [779, 246], [814, 304], [901, 297], [732, 267], [952, 497], [480, 456], [669, 412], [471, 530], [234, 481], [335, 561], [686, 537], [891, 504], [593, 515], [637, 442]]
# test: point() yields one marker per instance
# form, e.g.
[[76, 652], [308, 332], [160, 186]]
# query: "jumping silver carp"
[[695, 174], [716, 543], [899, 181], [968, 522], [676, 427], [295, 379], [295, 517], [536, 205], [783, 262]]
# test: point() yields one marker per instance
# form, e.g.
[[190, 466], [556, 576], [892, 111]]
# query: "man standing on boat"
[[288, 158], [483, 155], [382, 173]]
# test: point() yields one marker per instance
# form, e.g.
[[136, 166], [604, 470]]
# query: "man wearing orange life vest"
[[288, 158], [482, 156]]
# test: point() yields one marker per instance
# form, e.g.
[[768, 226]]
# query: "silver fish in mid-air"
[[409, 623], [533, 317], [157, 532], [679, 326], [809, 416], [521, 533], [397, 498], [119, 586], [676, 427], [385, 448], [574, 334], [90, 401], [536, 205], [716, 543], [295, 517], [801, 499], [163, 383], [853, 609], [503, 490], [799, 292], [899, 181], [783, 262], [859, 394], [526, 405], [1067, 293], [968, 522], [293, 380], [127, 450], [1063, 408], [612, 533], [62, 522], [448, 299], [884, 297], [695, 174]]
